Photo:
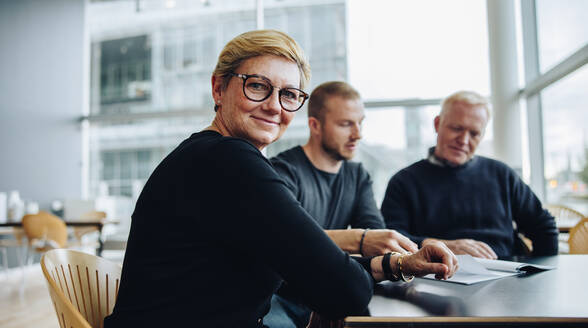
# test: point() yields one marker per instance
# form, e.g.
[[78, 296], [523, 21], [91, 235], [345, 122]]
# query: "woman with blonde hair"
[[215, 231]]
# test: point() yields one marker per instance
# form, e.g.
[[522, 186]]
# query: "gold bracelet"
[[401, 274]]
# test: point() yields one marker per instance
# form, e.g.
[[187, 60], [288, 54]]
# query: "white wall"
[[41, 98]]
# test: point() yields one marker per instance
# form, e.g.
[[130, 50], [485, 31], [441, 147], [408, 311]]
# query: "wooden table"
[[97, 224], [555, 298]]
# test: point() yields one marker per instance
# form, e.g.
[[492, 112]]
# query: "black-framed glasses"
[[258, 88]]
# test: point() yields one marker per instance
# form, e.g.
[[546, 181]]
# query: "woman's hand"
[[434, 257]]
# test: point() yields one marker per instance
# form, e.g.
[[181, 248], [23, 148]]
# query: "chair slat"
[[98, 293], [94, 295], [65, 282], [90, 293], [107, 298], [82, 292], [73, 287]]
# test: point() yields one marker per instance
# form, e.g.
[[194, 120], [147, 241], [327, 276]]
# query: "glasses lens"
[[291, 98], [256, 88]]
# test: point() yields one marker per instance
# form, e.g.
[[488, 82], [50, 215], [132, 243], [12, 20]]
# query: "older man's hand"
[[434, 257], [467, 246], [382, 241]]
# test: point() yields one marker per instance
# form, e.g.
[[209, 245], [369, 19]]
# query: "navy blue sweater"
[[478, 200]]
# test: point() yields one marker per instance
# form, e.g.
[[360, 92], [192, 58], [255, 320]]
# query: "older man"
[[467, 201], [336, 192]]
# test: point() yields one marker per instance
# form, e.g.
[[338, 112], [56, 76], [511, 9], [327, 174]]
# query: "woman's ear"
[[217, 88]]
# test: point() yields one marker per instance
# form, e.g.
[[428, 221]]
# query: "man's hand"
[[382, 241], [434, 257], [467, 246]]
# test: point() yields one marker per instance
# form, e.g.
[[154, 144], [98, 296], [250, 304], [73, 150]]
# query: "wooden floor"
[[28, 307]]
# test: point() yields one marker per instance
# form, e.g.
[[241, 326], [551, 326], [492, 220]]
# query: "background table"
[[557, 297], [98, 224]]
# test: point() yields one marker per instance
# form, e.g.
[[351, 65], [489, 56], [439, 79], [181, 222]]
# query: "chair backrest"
[[90, 216], [578, 240], [563, 212], [45, 226], [83, 287], [93, 216]]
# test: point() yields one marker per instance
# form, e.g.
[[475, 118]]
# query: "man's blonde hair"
[[469, 97], [258, 43]]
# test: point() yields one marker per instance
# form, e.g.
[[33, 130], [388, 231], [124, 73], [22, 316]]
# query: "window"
[[562, 28], [565, 140], [124, 71], [418, 48]]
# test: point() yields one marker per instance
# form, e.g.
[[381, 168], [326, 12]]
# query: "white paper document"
[[473, 270]]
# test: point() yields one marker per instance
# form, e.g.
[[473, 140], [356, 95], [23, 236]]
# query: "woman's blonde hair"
[[258, 43]]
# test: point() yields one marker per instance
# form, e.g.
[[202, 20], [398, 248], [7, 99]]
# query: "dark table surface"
[[542, 297]]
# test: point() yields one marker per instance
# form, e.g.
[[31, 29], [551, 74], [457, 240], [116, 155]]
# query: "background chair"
[[563, 213], [44, 231], [579, 238], [565, 219], [88, 237], [83, 287]]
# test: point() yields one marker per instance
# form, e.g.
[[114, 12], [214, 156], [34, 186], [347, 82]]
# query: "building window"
[[125, 70]]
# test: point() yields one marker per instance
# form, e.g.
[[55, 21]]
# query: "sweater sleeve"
[[287, 172], [534, 221], [264, 220], [395, 207], [365, 212]]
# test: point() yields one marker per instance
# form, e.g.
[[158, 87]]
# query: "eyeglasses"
[[258, 88]]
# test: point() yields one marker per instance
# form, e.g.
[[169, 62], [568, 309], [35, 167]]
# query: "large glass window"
[[565, 139], [562, 28], [418, 48], [159, 57]]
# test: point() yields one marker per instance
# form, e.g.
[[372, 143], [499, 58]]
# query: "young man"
[[468, 202], [336, 192]]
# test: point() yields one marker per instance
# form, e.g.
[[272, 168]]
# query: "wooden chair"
[[579, 238], [44, 231], [80, 232], [563, 212], [83, 287]]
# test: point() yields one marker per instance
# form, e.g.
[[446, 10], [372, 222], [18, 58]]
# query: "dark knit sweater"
[[478, 200], [214, 232], [334, 200]]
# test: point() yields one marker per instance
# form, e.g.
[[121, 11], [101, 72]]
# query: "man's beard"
[[333, 152]]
